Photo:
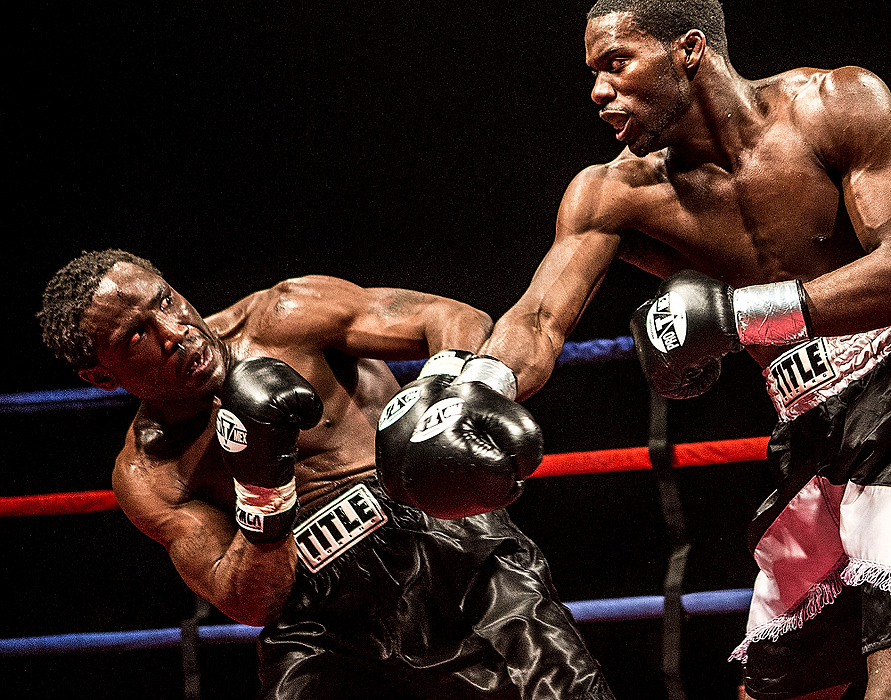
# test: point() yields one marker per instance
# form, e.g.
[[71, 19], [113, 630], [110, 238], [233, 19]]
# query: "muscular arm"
[[854, 130], [248, 582], [530, 336], [381, 323]]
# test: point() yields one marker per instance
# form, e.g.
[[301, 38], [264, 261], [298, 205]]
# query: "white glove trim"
[[444, 362], [492, 373], [258, 500]]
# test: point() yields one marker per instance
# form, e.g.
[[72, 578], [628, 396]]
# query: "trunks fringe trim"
[[820, 595], [860, 571]]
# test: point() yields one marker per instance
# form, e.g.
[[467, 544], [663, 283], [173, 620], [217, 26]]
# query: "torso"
[[186, 461], [776, 214]]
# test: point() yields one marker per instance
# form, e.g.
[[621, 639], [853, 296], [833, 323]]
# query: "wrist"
[[772, 314], [447, 362], [265, 514], [491, 372]]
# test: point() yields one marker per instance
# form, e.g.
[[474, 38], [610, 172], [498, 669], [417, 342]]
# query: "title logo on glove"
[[231, 432], [667, 322], [441, 415]]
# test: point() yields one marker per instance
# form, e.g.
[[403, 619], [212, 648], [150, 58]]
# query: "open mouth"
[[618, 120], [198, 362], [620, 133]]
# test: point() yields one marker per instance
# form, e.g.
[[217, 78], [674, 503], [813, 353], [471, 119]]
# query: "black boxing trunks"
[[391, 603], [822, 598]]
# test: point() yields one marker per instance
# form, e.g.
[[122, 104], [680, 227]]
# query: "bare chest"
[[340, 448], [777, 214], [203, 472]]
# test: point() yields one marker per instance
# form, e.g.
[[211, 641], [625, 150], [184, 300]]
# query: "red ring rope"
[[693, 454], [598, 462], [58, 503]]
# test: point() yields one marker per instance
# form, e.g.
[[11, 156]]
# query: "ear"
[[99, 377], [692, 49]]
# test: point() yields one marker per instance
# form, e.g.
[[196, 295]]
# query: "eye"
[[617, 64], [137, 335], [166, 302]]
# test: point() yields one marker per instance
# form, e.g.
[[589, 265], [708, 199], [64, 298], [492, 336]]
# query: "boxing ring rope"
[[585, 352], [659, 455], [602, 610], [694, 454]]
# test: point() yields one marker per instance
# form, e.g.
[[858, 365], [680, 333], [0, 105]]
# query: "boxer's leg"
[[330, 676], [517, 611]]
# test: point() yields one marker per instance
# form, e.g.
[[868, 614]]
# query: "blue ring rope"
[[606, 610], [585, 352]]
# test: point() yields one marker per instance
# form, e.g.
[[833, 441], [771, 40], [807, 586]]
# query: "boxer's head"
[[113, 317], [645, 55], [666, 20]]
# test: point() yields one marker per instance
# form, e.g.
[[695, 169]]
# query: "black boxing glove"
[[682, 334], [402, 413], [265, 405], [468, 450]]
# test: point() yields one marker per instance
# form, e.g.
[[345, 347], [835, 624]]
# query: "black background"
[[412, 144]]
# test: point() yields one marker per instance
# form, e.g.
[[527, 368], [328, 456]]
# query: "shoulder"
[[308, 297], [846, 93], [310, 309], [610, 195], [841, 112], [314, 300], [144, 488], [312, 288]]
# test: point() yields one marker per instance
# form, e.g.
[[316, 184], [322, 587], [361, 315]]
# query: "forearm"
[[526, 345], [456, 326], [853, 298], [250, 582]]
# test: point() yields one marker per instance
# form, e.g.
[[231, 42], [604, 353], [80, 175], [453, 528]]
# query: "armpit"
[[655, 257]]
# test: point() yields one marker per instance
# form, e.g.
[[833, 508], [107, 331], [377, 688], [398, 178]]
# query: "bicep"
[[567, 278], [586, 241], [530, 336], [866, 192], [195, 534], [857, 122]]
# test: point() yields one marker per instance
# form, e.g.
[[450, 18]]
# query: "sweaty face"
[[639, 91], [149, 339]]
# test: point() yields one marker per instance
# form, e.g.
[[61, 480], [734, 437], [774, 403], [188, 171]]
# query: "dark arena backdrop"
[[393, 143]]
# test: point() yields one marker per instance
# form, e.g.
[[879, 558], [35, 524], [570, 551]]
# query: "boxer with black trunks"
[[252, 460], [775, 192]]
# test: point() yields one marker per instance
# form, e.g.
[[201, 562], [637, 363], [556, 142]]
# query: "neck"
[[178, 412], [162, 438], [722, 120], [183, 409]]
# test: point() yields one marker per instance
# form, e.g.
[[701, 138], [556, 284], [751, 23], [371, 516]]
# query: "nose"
[[603, 91], [174, 334]]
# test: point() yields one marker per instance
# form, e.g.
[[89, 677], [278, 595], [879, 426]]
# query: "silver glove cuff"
[[490, 372], [771, 314]]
